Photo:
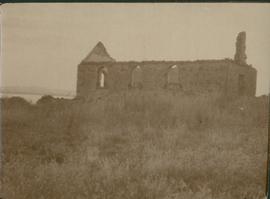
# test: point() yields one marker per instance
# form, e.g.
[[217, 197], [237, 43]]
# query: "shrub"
[[136, 145]]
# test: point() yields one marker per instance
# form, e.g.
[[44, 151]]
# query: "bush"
[[136, 145]]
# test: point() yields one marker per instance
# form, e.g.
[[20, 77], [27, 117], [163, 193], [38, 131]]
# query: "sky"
[[42, 44]]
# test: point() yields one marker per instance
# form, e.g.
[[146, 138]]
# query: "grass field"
[[133, 145]]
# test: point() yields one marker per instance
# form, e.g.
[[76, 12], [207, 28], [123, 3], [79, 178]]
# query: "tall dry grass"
[[135, 145]]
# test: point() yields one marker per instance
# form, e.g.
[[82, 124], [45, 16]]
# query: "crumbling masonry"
[[230, 77]]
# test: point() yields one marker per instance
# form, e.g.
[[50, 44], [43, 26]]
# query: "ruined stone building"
[[228, 76]]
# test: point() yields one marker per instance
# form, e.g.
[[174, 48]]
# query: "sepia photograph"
[[134, 100]]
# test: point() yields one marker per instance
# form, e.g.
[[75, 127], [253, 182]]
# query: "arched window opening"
[[173, 77], [102, 74], [136, 77], [102, 80]]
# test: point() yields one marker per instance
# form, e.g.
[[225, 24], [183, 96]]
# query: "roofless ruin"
[[228, 76]]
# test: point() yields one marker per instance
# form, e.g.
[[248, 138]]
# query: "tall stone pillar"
[[240, 53]]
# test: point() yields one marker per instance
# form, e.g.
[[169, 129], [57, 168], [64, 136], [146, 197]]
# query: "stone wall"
[[194, 76], [249, 75]]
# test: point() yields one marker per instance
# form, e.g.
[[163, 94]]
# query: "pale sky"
[[42, 44]]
